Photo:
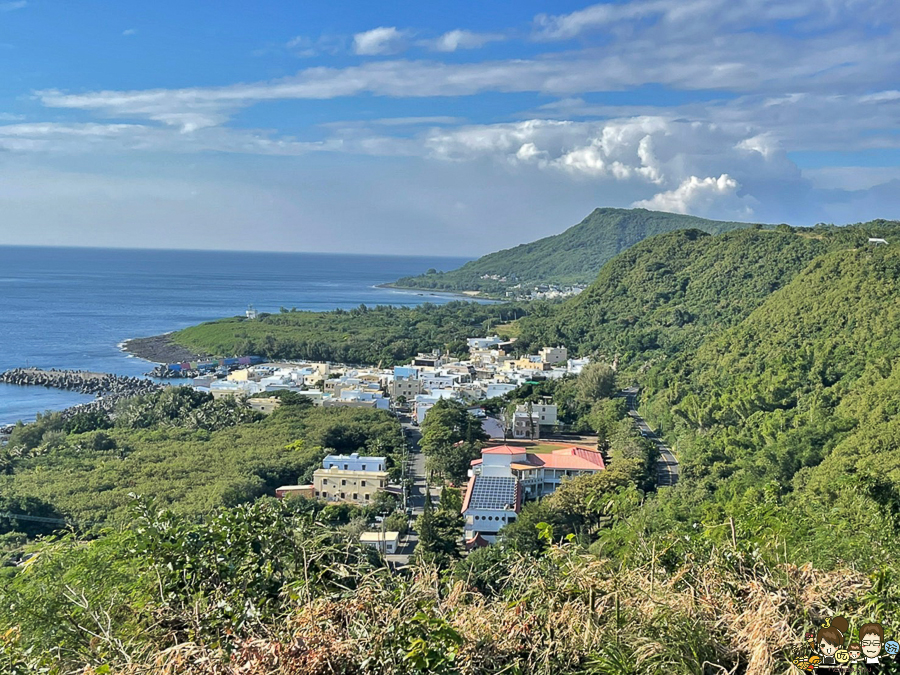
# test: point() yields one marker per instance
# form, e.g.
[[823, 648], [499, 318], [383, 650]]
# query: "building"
[[351, 478], [386, 542], [490, 503], [354, 462], [264, 405], [339, 485], [505, 476], [484, 343], [407, 387], [553, 355], [525, 423], [538, 473], [308, 491]]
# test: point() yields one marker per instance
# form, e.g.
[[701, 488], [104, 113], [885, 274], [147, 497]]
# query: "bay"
[[73, 307]]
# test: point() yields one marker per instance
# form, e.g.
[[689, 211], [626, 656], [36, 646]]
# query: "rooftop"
[[492, 493]]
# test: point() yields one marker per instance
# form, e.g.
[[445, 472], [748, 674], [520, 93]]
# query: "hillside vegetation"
[[363, 335], [671, 292], [573, 257]]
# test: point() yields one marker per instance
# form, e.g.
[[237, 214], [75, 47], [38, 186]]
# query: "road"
[[667, 466], [416, 501]]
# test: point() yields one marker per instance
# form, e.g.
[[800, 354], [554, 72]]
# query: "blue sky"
[[454, 128]]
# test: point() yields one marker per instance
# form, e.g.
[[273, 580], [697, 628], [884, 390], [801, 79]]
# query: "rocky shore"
[[160, 349], [109, 389]]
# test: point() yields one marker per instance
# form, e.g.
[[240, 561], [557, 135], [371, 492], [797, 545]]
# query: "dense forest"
[[188, 452], [573, 257], [363, 335]]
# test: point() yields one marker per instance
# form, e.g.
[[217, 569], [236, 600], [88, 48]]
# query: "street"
[[667, 466], [416, 501]]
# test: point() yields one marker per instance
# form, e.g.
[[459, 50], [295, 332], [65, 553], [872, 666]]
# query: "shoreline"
[[159, 349], [462, 295]]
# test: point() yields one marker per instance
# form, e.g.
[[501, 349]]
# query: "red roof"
[[477, 542], [468, 496], [503, 450]]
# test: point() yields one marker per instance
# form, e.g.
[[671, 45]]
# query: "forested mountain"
[[670, 292], [572, 257]]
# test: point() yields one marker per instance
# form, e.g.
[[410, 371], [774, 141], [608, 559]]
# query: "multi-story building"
[[340, 485], [505, 476], [350, 478], [527, 424], [553, 355]]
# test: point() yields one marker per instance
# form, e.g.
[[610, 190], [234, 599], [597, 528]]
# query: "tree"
[[440, 532], [597, 380], [448, 422]]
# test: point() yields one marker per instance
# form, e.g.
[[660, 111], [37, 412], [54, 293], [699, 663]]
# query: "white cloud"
[[701, 196], [129, 31], [12, 6], [378, 41], [461, 39]]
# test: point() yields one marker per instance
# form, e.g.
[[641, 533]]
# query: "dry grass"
[[558, 616]]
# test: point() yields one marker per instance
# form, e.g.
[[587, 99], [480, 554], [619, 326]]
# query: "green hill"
[[573, 257], [668, 293]]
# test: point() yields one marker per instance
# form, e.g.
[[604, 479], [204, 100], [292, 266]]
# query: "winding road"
[[667, 466]]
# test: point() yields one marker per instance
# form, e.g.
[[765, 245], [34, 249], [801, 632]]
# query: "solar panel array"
[[493, 492]]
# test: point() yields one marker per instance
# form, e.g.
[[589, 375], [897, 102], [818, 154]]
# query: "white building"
[[525, 423], [484, 343], [490, 503], [354, 462], [386, 542]]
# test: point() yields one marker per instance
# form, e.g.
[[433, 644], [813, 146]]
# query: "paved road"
[[667, 466], [416, 501]]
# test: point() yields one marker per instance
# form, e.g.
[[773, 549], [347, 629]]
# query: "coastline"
[[159, 349], [462, 295]]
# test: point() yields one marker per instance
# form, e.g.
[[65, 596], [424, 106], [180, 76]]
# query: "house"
[[350, 478], [407, 387], [386, 542], [264, 405], [339, 485], [525, 423], [553, 355], [483, 343], [877, 241]]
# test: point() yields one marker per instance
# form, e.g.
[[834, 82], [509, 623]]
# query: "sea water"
[[71, 308]]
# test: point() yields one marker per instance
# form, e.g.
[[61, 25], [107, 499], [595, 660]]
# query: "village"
[[517, 464]]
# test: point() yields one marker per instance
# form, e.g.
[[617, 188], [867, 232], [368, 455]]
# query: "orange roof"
[[574, 458], [503, 450], [468, 496]]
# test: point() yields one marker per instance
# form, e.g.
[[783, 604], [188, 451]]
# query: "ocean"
[[72, 307]]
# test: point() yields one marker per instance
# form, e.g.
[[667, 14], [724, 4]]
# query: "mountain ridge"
[[572, 257]]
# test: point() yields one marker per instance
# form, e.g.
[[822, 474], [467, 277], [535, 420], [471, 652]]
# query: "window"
[[368, 496], [324, 481], [345, 467], [342, 495], [343, 482], [364, 467], [355, 496], [325, 495], [362, 483]]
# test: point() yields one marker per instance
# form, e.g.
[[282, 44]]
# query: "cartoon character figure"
[[871, 637], [830, 638], [854, 651]]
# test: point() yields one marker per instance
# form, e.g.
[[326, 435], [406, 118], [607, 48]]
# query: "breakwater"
[[84, 382], [109, 389]]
